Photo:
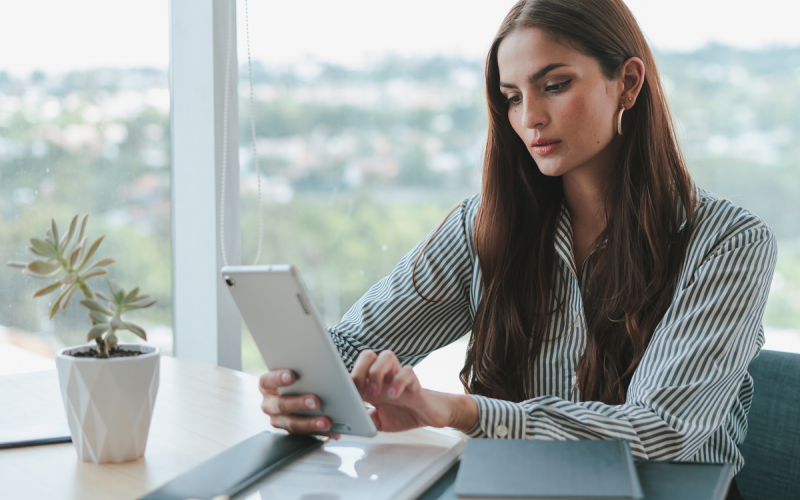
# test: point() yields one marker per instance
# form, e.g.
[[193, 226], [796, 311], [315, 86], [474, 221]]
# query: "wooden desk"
[[200, 410]]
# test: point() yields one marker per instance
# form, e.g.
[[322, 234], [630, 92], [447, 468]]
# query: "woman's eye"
[[557, 87], [513, 99]]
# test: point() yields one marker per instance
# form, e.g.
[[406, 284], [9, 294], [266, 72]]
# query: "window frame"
[[206, 323]]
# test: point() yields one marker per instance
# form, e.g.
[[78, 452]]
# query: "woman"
[[607, 296]]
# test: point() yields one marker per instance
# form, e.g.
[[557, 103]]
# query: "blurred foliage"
[[80, 142], [341, 244]]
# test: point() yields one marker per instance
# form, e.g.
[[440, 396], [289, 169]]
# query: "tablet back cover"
[[289, 333]]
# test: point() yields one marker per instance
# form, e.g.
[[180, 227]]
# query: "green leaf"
[[54, 307], [75, 256], [83, 227], [97, 317], [64, 295], [17, 264], [77, 240], [91, 251], [71, 292], [131, 296], [38, 276], [103, 262], [68, 237], [133, 327], [70, 278], [43, 267], [55, 233], [97, 331], [111, 340], [42, 248], [93, 305], [48, 289], [48, 237], [93, 273], [104, 297], [116, 290], [140, 304], [80, 248]]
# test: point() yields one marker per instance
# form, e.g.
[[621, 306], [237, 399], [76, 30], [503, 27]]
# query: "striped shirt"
[[689, 397]]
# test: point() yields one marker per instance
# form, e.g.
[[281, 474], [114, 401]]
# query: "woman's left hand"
[[399, 400]]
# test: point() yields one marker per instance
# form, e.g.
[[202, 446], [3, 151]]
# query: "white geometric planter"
[[109, 402]]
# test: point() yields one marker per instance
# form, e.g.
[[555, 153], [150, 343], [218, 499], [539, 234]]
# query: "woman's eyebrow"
[[538, 75]]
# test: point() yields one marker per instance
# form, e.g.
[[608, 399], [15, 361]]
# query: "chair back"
[[771, 448]]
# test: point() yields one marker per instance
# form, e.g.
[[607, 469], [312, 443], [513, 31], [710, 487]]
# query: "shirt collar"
[[564, 238]]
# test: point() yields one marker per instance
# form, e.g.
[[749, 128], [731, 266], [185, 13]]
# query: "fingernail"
[[391, 393], [310, 403], [286, 378], [373, 389], [322, 425]]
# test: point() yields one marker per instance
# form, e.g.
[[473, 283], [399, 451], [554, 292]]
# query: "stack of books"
[[574, 470]]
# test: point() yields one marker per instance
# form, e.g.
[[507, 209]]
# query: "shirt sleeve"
[[693, 368], [393, 316]]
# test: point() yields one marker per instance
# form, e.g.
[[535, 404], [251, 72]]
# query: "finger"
[[361, 368], [276, 378], [301, 425], [382, 371], [284, 405], [405, 380], [264, 389], [373, 413]]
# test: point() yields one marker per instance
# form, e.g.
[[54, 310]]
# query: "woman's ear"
[[632, 74]]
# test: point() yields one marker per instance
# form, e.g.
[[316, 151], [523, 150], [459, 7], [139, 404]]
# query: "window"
[[366, 139], [84, 129]]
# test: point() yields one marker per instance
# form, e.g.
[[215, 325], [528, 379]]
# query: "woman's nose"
[[533, 116]]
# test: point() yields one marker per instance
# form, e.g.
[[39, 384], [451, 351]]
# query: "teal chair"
[[772, 446]]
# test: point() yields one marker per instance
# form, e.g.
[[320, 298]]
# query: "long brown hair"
[[635, 271]]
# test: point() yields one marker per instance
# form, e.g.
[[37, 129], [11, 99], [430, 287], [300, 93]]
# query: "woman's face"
[[559, 102]]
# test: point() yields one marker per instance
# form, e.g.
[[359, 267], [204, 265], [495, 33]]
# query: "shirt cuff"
[[499, 419]]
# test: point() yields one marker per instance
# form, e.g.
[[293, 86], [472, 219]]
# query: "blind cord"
[[225, 137], [253, 136]]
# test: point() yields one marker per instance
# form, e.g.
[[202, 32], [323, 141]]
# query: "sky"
[[61, 35]]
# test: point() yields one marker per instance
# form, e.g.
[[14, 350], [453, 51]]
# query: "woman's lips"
[[546, 149]]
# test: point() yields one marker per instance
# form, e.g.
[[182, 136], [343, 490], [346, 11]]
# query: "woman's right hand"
[[280, 408]]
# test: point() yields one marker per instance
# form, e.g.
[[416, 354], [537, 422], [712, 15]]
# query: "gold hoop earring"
[[619, 120]]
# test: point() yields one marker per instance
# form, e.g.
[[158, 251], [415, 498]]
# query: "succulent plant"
[[67, 262], [108, 319]]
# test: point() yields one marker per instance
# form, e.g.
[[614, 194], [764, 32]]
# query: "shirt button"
[[501, 431]]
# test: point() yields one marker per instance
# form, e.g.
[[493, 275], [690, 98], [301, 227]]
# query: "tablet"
[[290, 334]]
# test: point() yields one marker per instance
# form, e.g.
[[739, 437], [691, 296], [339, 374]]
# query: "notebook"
[[544, 470], [684, 480], [659, 480]]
